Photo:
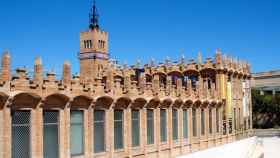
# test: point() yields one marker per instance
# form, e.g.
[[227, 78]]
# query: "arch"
[[118, 76], [3, 99], [153, 102], [160, 73], [148, 77], [213, 103], [56, 100], [81, 101], [176, 73], [188, 103], [103, 102], [24, 100], [197, 103], [122, 102], [178, 103], [139, 103], [208, 72], [166, 102], [205, 103]]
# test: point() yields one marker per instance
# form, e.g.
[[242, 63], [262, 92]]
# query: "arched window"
[[194, 124], [77, 132], [185, 123], [99, 130], [135, 125], [202, 121], [150, 126], [21, 131], [118, 129], [163, 123], [175, 124], [50, 124]]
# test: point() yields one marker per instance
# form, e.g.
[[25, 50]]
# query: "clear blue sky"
[[248, 29]]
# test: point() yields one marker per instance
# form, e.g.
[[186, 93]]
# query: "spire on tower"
[[94, 17]]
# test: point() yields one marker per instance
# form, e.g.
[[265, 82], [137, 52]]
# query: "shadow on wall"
[[266, 110]]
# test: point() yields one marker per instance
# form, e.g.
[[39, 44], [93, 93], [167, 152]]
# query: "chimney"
[[5, 66], [38, 70], [66, 78]]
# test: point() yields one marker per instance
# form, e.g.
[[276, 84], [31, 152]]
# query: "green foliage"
[[266, 110]]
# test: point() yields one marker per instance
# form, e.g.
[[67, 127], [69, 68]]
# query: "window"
[[135, 124], [210, 121], [185, 123], [150, 126], [101, 44], [163, 123], [118, 129], [21, 145], [99, 131], [217, 120], [77, 132], [194, 122], [175, 124], [202, 122], [50, 143], [88, 44]]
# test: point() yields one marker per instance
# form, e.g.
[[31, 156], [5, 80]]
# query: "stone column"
[[36, 132], [1, 132], [144, 130], [198, 120], [157, 130], [180, 129], [40, 136], [110, 131], [90, 132], [170, 130], [7, 126], [87, 141], [63, 134], [190, 125], [127, 131]]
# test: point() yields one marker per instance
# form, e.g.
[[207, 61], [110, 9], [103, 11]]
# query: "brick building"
[[159, 110]]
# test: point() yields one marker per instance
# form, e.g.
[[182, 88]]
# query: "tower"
[[93, 49]]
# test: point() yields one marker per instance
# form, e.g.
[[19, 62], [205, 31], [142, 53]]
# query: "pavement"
[[271, 147]]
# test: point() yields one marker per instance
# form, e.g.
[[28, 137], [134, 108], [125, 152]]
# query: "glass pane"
[[50, 134], [194, 122], [163, 130], [150, 126], [118, 129], [202, 121], [135, 128], [77, 133], [210, 121], [217, 120], [99, 131], [175, 124], [21, 134], [185, 123]]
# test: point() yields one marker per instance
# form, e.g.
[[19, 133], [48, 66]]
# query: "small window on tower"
[[88, 44], [85, 44], [101, 44]]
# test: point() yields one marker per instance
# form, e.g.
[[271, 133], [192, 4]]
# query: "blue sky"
[[142, 29]]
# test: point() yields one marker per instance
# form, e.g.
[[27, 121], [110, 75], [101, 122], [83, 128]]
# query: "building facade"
[[111, 111], [267, 82]]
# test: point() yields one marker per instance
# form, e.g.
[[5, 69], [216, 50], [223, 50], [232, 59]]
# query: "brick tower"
[[93, 49]]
